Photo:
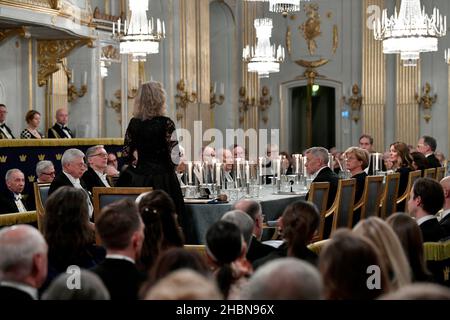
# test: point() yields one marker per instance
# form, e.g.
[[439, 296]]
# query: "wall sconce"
[[265, 100], [72, 92], [215, 99], [426, 101], [355, 103], [244, 103], [183, 97]]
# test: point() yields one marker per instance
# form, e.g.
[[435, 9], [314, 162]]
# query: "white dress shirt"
[[102, 177], [120, 257], [63, 128], [76, 183], [5, 131], [19, 203]]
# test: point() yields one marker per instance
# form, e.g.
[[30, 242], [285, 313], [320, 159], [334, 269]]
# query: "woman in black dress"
[[153, 136], [402, 163]]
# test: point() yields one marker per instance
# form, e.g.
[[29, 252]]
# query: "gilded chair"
[[389, 200], [10, 219], [437, 257], [371, 199], [199, 248], [430, 173], [40, 197], [413, 176], [440, 173], [318, 194], [317, 246]]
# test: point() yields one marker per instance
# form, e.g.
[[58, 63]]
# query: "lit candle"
[[238, 165], [261, 159], [247, 172], [200, 167], [218, 173], [114, 28], [297, 163], [278, 168], [190, 171], [118, 26], [222, 88]]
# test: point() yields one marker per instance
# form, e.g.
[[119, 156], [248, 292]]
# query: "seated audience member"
[[410, 237], [445, 215], [257, 249], [45, 171], [60, 129], [90, 287], [184, 284], [112, 168], [402, 163], [23, 263], [272, 153], [161, 228], [419, 161], [128, 174], [238, 152], [244, 223], [284, 279], [112, 160], [344, 262], [427, 146], [122, 233], [391, 251], [33, 119], [286, 163], [298, 224], [226, 249], [357, 160], [208, 153], [5, 131], [226, 157], [69, 234], [387, 161], [425, 200], [95, 175], [317, 166], [11, 200], [419, 291], [366, 143]]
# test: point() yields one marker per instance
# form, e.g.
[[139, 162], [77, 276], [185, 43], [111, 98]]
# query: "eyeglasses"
[[103, 155], [49, 173]]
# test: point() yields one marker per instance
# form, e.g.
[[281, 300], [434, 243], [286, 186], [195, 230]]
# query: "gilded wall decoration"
[[426, 101], [311, 27]]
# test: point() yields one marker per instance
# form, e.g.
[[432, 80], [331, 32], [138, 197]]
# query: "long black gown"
[[155, 142]]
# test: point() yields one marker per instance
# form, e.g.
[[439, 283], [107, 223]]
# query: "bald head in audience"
[[243, 221], [284, 279], [23, 258], [253, 209], [184, 284]]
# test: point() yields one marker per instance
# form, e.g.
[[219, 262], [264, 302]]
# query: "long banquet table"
[[200, 216]]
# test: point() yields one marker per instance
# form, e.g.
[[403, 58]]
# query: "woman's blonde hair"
[[360, 154], [390, 248], [150, 101]]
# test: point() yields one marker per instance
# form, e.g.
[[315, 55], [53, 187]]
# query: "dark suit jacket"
[[56, 132], [91, 179], [431, 231], [61, 180], [258, 250], [281, 252], [433, 162], [8, 204], [121, 278], [2, 135], [13, 294], [360, 183], [327, 175], [445, 225]]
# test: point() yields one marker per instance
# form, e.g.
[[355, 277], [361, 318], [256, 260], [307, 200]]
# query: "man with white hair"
[[243, 221], [284, 279], [45, 171], [95, 175], [74, 167], [23, 263], [11, 201]]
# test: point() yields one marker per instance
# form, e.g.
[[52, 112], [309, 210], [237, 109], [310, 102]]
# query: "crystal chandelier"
[[139, 36], [264, 58], [411, 31], [282, 6]]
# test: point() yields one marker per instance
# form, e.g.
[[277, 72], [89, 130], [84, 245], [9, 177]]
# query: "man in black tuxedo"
[[121, 231], [427, 146], [257, 249], [445, 215], [317, 166], [95, 176], [60, 129], [425, 200], [5, 131], [74, 167], [11, 201], [23, 263]]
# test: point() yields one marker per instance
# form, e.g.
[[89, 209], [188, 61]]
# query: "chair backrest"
[[413, 176], [389, 201], [318, 194], [437, 257], [317, 246], [373, 193], [430, 173], [440, 173], [10, 219], [199, 248], [40, 197], [343, 217]]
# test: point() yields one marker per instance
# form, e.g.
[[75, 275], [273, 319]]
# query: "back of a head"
[[344, 264], [224, 242], [300, 221], [150, 101], [184, 285], [117, 224], [87, 287], [249, 206], [243, 221], [431, 194], [18, 246], [419, 291], [431, 142], [389, 247], [284, 279]]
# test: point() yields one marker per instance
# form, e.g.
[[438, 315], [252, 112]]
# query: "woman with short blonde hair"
[[356, 160]]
